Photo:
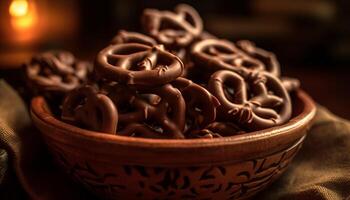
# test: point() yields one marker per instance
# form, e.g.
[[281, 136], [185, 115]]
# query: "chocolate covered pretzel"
[[269, 59], [138, 65], [133, 37], [85, 106], [159, 112], [256, 103], [176, 30], [200, 104], [143, 130], [291, 84], [229, 89], [136, 37], [173, 29], [139, 38], [217, 130], [123, 97], [215, 54], [56, 71]]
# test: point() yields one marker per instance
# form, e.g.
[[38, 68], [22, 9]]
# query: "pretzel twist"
[[217, 54], [269, 59], [91, 109], [138, 65], [266, 104], [57, 71], [175, 29], [200, 104], [161, 108], [133, 37]]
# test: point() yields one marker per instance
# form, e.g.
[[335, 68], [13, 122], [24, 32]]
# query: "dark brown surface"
[[328, 87]]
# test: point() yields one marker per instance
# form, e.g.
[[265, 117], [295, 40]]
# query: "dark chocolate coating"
[[85, 106], [269, 59], [143, 92], [142, 130], [138, 65], [217, 129], [133, 37], [171, 99], [183, 52], [200, 104], [204, 134], [123, 97], [173, 29], [56, 71], [291, 84], [266, 104], [148, 108], [225, 128], [185, 55], [214, 54]]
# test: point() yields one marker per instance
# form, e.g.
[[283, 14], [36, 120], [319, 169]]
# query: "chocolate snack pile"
[[174, 80]]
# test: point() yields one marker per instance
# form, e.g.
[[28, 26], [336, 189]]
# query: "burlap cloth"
[[321, 170]]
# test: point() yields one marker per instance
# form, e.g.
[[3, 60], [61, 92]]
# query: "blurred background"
[[310, 37]]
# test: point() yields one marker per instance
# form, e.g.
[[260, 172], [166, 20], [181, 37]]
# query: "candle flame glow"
[[19, 8], [24, 20], [23, 14]]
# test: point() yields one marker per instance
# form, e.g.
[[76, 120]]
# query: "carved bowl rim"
[[238, 147]]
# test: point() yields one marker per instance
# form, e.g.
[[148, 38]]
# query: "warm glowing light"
[[19, 8], [23, 14], [24, 20]]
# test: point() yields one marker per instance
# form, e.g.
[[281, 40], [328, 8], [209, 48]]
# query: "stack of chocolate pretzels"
[[174, 80]]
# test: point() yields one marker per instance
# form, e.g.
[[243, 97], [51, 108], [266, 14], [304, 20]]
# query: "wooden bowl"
[[118, 167]]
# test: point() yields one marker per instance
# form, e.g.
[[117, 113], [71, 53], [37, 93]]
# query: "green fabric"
[[29, 163], [13, 119], [320, 171]]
